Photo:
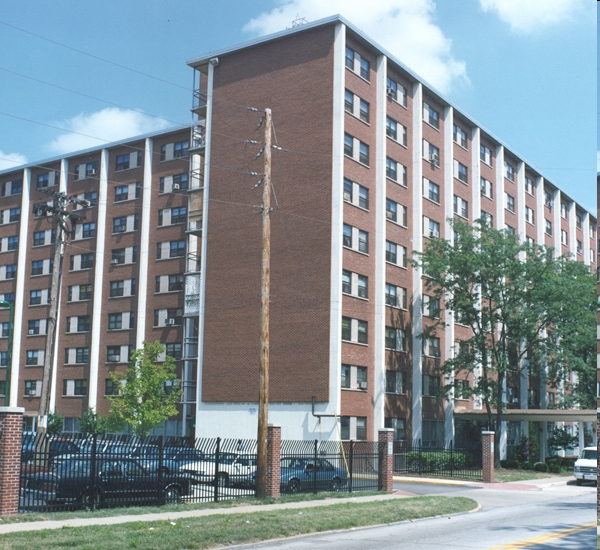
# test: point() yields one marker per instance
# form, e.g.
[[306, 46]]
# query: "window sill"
[[358, 75], [355, 296], [431, 125], [355, 343]]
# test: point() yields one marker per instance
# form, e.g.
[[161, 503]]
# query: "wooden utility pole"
[[263, 399], [64, 220]]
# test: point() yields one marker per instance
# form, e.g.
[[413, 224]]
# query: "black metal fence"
[[73, 471], [438, 459], [312, 466]]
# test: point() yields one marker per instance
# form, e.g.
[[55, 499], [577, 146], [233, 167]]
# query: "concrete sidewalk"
[[175, 516], [530, 485]]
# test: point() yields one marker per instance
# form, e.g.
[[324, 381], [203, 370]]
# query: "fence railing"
[[438, 459], [73, 471]]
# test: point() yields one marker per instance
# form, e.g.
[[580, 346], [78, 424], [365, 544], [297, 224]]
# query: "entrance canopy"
[[530, 415]]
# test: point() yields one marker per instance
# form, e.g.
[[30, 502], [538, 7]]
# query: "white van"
[[586, 466]]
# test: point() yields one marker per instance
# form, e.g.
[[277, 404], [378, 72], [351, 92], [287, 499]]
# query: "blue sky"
[[77, 74]]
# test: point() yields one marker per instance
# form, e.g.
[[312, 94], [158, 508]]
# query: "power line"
[[124, 67]]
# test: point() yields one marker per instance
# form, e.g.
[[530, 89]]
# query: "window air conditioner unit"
[[434, 233], [389, 215], [31, 332], [32, 392], [120, 229], [176, 187], [169, 322], [362, 385], [391, 92], [434, 159], [114, 261], [113, 358]]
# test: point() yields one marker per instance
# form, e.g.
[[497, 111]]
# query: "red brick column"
[[488, 456], [274, 461], [11, 433], [386, 460]]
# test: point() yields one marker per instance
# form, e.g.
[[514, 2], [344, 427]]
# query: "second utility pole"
[[263, 399]]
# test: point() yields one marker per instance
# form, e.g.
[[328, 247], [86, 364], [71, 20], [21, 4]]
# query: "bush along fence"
[[438, 459], [73, 471]]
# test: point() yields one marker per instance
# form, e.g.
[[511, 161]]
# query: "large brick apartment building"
[[373, 162]]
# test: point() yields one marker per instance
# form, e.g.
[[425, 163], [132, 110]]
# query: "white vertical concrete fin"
[[417, 231], [378, 294], [144, 244], [98, 303]]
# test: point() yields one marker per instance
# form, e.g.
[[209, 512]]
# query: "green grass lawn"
[[502, 475], [210, 531]]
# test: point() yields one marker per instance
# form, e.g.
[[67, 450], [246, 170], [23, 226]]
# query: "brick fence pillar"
[[11, 434], [488, 456], [274, 461], [386, 460]]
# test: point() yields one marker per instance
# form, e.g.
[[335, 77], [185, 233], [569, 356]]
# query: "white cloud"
[[405, 28], [96, 129], [533, 15], [11, 160]]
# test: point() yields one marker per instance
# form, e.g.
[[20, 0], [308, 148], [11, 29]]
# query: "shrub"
[[541, 467], [555, 469], [510, 464]]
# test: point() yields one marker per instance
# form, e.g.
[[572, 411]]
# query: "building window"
[[509, 171], [395, 382], [111, 387], [460, 136], [398, 425], [14, 215], [81, 261], [33, 388], [461, 207], [548, 228], [431, 115], [431, 307], [396, 131], [35, 297], [74, 388], [461, 172], [121, 256], [431, 153], [396, 91], [83, 171], [579, 247], [355, 284], [36, 327], [356, 194], [395, 171], [563, 211], [356, 149], [356, 106], [564, 237], [395, 339], [433, 432], [356, 239], [49, 179], [354, 377], [431, 228], [548, 199], [431, 385], [396, 254], [529, 187], [510, 202], [130, 160], [355, 331], [395, 296], [127, 192], [579, 222], [12, 243], [431, 190], [174, 350], [10, 272], [431, 347], [357, 64], [485, 154], [461, 389], [529, 215], [10, 188], [168, 317], [33, 357]]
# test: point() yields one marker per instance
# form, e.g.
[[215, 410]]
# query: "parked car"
[[148, 456], [116, 481], [55, 446], [299, 473], [586, 466], [234, 469]]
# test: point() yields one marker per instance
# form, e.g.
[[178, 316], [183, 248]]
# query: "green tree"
[[560, 438], [150, 392], [56, 424], [90, 423], [521, 303]]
